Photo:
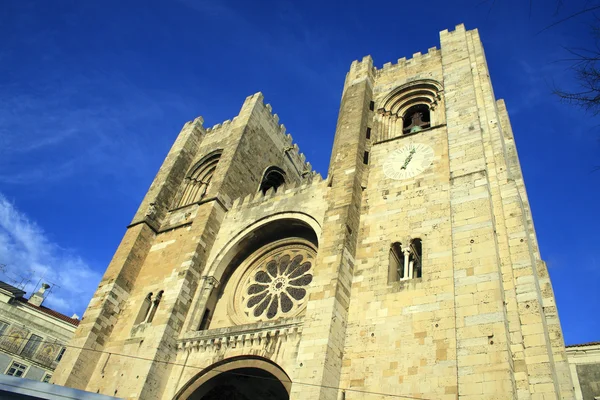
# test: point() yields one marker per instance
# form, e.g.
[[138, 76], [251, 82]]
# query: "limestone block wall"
[[275, 340], [248, 214], [165, 249], [401, 335], [481, 322]]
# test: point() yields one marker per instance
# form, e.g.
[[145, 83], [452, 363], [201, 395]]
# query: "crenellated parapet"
[[289, 190], [416, 60], [263, 115]]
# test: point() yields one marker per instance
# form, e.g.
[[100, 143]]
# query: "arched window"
[[144, 309], [148, 309], [197, 181], [409, 108], [272, 178], [405, 263], [154, 307], [416, 118], [396, 268], [416, 258]]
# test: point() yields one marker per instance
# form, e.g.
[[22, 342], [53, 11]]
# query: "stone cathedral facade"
[[412, 269]]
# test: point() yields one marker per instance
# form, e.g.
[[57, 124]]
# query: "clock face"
[[408, 161]]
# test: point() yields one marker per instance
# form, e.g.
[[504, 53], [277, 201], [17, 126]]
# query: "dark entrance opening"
[[242, 384]]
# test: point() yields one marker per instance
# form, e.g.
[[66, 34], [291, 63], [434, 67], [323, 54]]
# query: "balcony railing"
[[241, 335]]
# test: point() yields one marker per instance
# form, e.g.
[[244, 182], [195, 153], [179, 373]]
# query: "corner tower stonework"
[[412, 269]]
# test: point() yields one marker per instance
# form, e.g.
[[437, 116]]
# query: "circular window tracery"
[[275, 283]]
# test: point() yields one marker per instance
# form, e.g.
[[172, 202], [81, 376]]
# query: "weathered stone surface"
[[477, 320]]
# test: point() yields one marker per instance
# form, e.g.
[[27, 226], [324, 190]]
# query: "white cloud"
[[30, 256]]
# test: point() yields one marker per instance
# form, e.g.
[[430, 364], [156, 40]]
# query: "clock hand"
[[408, 159]]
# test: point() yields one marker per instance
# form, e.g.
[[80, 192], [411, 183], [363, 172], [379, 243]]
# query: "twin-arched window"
[[405, 262], [197, 181], [148, 308]]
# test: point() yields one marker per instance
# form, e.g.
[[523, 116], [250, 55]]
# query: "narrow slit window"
[[366, 157], [368, 133], [371, 105]]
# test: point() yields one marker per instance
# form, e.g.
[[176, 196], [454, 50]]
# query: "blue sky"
[[92, 95]]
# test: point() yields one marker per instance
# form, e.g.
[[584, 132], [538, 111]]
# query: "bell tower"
[[449, 296]]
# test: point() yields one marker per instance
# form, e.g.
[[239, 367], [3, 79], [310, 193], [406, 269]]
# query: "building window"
[[405, 263], [371, 105], [416, 258], [197, 181], [206, 318], [368, 133], [3, 326], [416, 118], [149, 307], [60, 354], [410, 108], [366, 157], [154, 307], [47, 378], [16, 369], [143, 313], [31, 346], [396, 262], [272, 178]]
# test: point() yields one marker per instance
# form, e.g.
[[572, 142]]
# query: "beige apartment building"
[[32, 336], [411, 270]]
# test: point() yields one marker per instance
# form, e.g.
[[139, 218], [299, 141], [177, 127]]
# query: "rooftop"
[[583, 344], [18, 294]]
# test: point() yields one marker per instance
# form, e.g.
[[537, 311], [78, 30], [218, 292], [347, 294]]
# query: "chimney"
[[38, 298]]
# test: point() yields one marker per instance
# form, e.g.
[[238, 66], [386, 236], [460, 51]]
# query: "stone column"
[[407, 272], [209, 283]]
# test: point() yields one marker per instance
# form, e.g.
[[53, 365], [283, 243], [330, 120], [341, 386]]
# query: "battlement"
[[270, 121], [197, 122], [285, 191], [417, 59], [222, 126], [459, 28]]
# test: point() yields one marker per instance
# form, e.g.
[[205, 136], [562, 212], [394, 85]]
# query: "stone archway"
[[239, 378]]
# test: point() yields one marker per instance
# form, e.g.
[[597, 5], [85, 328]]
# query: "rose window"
[[276, 284]]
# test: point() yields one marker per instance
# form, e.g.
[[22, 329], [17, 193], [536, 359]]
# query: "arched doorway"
[[239, 378]]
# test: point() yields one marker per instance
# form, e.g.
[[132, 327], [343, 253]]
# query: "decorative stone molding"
[[211, 281], [272, 282], [249, 335]]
